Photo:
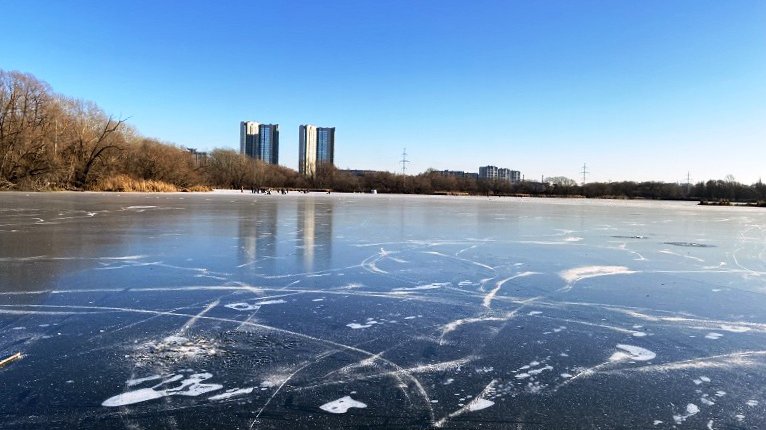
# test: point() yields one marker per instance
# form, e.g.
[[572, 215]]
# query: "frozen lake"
[[231, 310]]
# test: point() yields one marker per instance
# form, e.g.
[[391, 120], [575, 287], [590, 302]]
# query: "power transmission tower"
[[584, 172], [404, 161]]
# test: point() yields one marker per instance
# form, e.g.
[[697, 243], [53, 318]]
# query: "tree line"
[[49, 141]]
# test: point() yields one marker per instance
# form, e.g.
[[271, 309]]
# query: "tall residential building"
[[316, 146], [248, 137], [259, 141], [307, 150], [326, 145], [268, 143]]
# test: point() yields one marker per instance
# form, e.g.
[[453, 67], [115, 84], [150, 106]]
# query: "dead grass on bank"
[[126, 184]]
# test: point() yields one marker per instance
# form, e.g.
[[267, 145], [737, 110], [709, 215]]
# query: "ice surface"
[[231, 310]]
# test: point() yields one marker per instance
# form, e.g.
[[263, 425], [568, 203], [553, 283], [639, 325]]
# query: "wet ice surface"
[[345, 311]]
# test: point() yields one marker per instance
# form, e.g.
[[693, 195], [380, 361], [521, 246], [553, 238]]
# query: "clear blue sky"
[[639, 90]]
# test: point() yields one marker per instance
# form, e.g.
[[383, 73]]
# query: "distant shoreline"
[[291, 191]]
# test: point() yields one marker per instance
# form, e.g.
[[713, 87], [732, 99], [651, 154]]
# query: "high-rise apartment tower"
[[307, 150], [316, 146], [259, 141]]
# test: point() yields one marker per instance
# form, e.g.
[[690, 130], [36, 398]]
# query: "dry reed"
[[124, 183]]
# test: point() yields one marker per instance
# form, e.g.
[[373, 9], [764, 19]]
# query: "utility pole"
[[404, 161], [584, 172]]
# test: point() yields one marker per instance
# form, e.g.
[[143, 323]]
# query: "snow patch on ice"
[[424, 287], [734, 328], [631, 352], [242, 307], [342, 405], [232, 393], [713, 335], [691, 410], [572, 239], [138, 381], [191, 386], [139, 208], [580, 273], [132, 397], [479, 404], [270, 302], [357, 326]]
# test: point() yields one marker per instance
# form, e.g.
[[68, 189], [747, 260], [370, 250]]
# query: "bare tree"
[[26, 105], [91, 136]]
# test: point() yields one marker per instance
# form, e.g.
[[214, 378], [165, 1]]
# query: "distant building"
[[268, 143], [307, 150], [326, 145], [198, 158], [502, 174], [248, 136], [488, 172], [453, 173], [508, 175], [316, 146], [259, 141]]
